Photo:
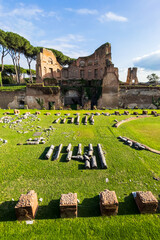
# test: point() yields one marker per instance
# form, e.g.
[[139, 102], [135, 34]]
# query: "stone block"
[[68, 205], [47, 113], [37, 113], [146, 202], [145, 112], [16, 111], [108, 203], [154, 113], [27, 206], [116, 113], [126, 113], [135, 113]]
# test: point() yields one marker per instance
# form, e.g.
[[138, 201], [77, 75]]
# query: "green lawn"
[[23, 168]]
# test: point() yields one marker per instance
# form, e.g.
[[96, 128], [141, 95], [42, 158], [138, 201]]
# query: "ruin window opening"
[[51, 71], [95, 73], [89, 74], [82, 74], [58, 73], [45, 70], [50, 61]]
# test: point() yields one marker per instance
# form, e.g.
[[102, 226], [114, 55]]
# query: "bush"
[[7, 80]]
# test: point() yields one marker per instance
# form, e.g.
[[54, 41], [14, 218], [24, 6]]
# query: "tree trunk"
[[18, 68]]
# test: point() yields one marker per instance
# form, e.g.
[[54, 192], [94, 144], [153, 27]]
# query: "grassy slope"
[[22, 168]]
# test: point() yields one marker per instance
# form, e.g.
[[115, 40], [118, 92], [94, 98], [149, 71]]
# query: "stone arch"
[[72, 97]]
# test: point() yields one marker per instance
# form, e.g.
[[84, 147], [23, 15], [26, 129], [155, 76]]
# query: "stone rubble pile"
[[35, 141], [131, 143]]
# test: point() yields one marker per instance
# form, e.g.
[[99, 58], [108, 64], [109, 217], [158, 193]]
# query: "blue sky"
[[77, 28]]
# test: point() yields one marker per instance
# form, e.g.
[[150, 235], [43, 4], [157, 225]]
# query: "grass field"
[[23, 168]]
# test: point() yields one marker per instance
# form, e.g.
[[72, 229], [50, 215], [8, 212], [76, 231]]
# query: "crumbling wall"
[[110, 88], [48, 94], [132, 76], [90, 67], [141, 97], [12, 99], [47, 66]]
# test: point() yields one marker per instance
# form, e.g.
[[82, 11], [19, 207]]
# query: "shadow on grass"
[[7, 212], [42, 156], [50, 211], [128, 207], [64, 152], [89, 207]]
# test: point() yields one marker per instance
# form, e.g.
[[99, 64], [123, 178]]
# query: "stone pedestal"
[[27, 206], [146, 202], [68, 205], [108, 203]]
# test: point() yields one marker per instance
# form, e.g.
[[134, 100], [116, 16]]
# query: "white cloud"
[[110, 16], [22, 20], [27, 12], [83, 11], [149, 61], [71, 37], [66, 44]]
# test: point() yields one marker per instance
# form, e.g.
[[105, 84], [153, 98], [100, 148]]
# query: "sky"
[[78, 27]]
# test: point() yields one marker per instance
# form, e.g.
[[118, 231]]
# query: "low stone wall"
[[126, 97], [11, 99], [141, 97]]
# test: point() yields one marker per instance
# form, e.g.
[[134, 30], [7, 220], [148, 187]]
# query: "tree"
[[16, 45], [153, 78], [31, 54], [3, 49]]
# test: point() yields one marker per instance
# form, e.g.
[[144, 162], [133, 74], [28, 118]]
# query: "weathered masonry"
[[92, 67], [87, 82]]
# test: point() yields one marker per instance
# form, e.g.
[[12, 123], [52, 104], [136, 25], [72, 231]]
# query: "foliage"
[[156, 102], [153, 78], [61, 58], [9, 73], [40, 101]]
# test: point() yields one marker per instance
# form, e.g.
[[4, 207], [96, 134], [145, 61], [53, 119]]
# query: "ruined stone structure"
[[96, 70], [86, 82], [132, 76], [47, 66], [89, 68]]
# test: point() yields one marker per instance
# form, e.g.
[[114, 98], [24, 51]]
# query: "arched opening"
[[72, 97]]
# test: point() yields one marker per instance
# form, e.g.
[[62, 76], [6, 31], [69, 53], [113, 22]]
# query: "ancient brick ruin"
[[85, 83], [97, 71], [92, 67], [132, 76]]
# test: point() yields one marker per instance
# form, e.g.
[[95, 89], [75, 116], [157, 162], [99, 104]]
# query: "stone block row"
[[27, 205]]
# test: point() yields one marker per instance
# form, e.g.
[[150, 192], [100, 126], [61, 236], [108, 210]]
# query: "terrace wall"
[[125, 96]]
